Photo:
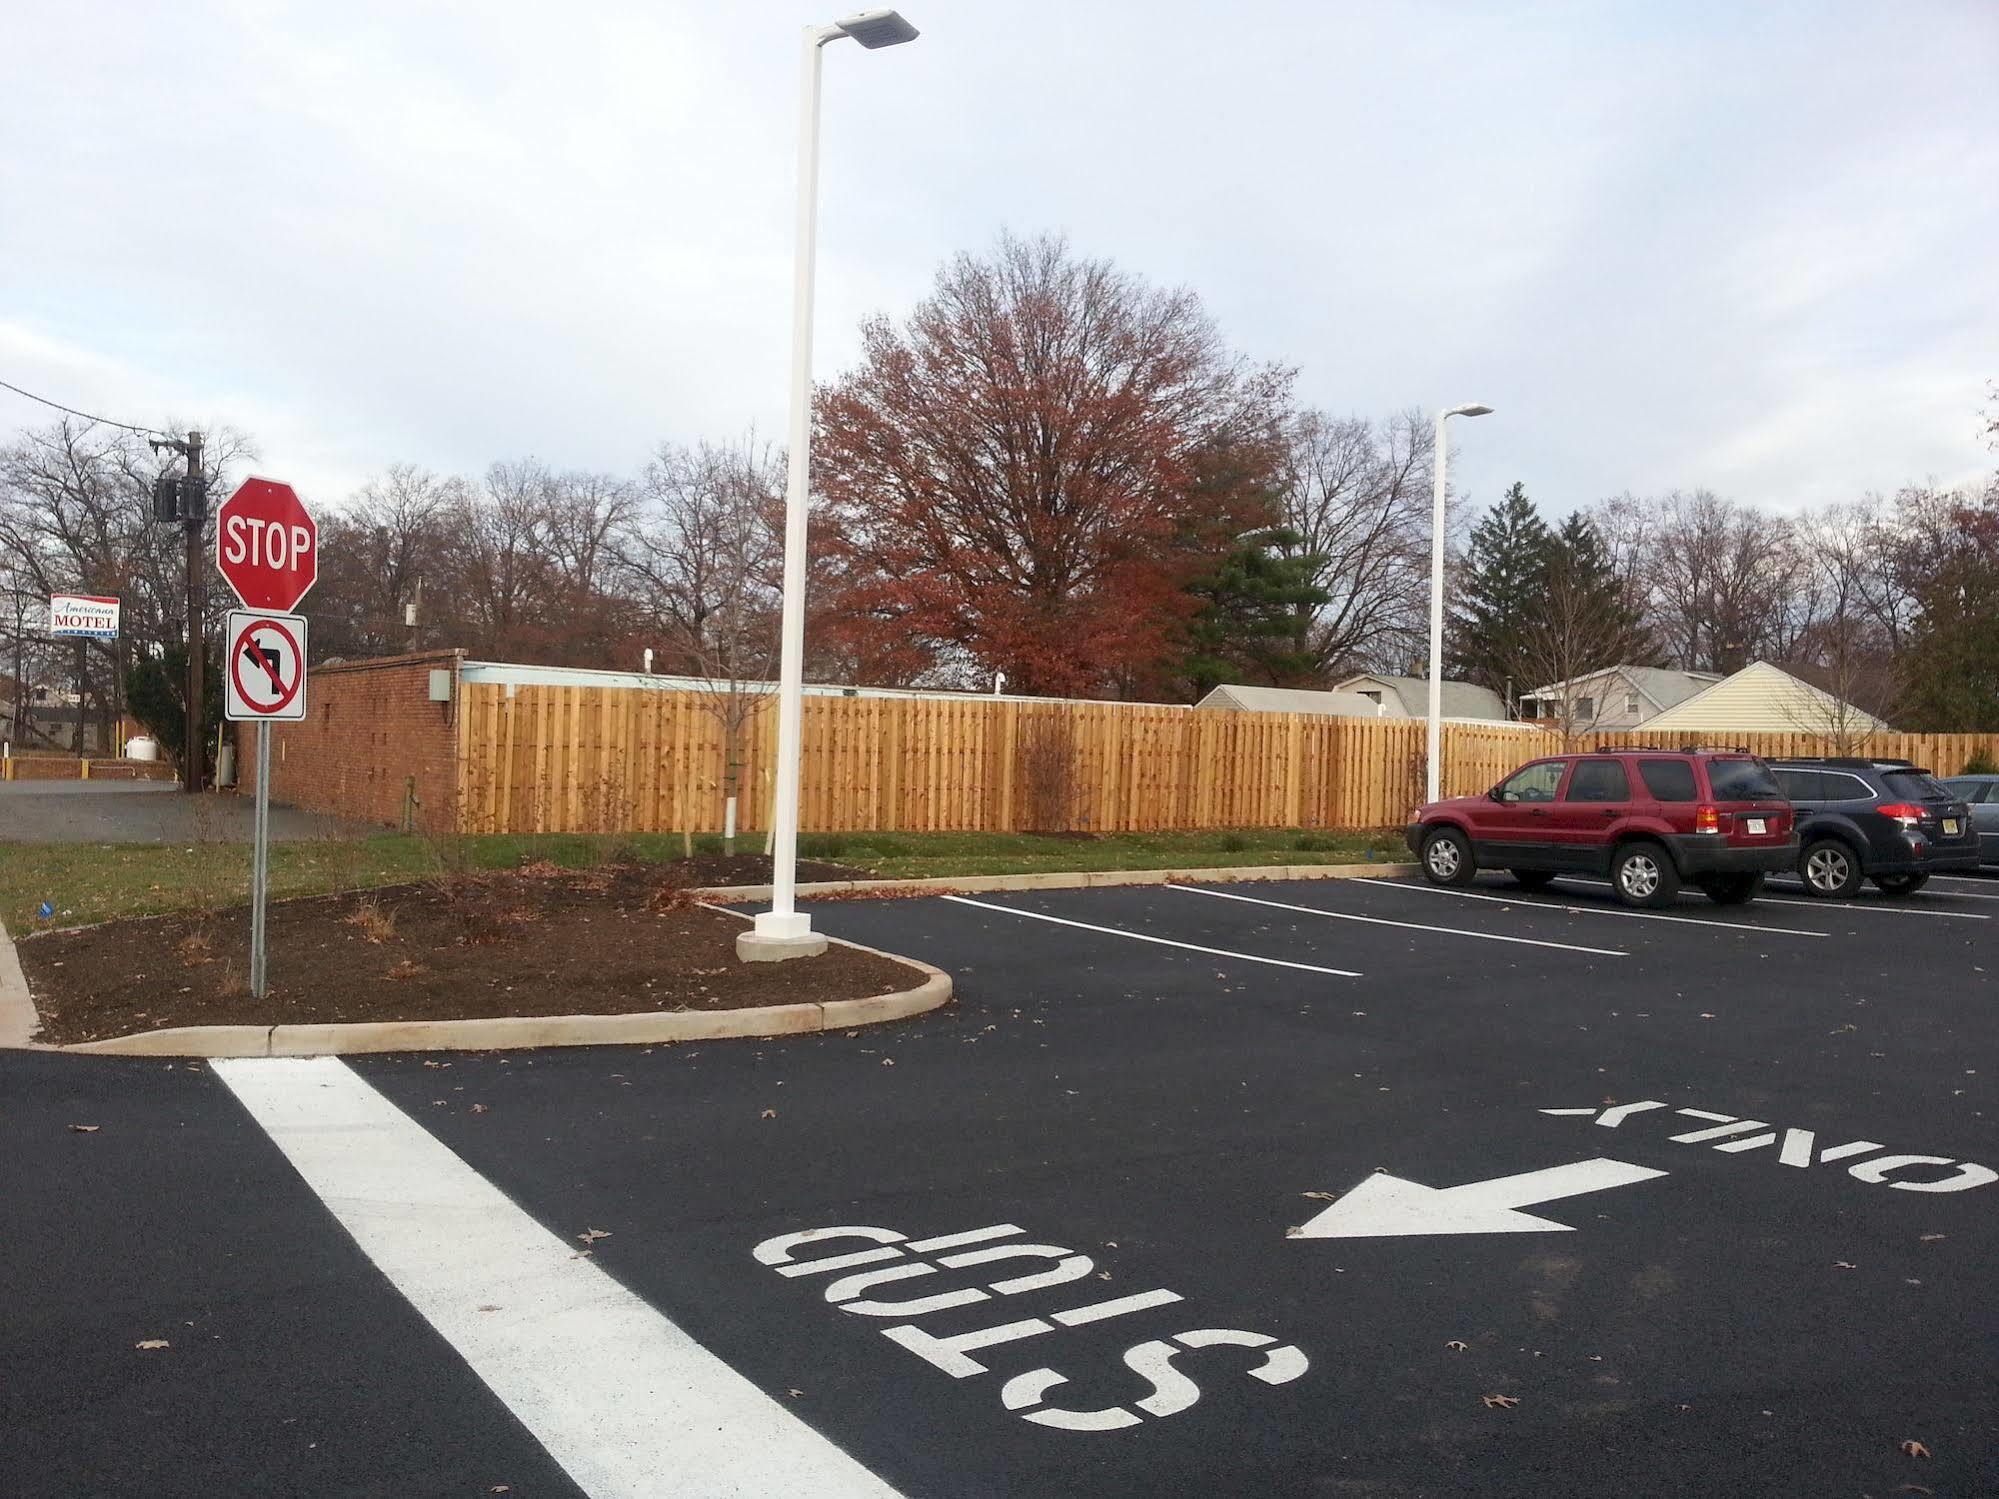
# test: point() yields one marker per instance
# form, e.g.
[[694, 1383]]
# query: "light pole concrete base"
[[758, 947]]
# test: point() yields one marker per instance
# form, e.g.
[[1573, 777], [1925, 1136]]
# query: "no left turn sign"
[[264, 676]]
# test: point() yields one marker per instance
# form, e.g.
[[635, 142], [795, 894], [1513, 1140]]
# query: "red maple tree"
[[1026, 474]]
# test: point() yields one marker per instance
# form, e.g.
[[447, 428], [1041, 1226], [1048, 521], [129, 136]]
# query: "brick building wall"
[[370, 727]]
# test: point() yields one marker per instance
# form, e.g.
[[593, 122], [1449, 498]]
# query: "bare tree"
[[1853, 615], [700, 551], [501, 562], [584, 514], [1356, 494], [377, 554], [76, 515], [1720, 579]]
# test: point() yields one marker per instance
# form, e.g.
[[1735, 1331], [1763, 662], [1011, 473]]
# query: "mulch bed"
[[755, 869], [617, 940]]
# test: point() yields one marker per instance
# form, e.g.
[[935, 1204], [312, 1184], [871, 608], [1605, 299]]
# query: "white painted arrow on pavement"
[[1385, 1205]]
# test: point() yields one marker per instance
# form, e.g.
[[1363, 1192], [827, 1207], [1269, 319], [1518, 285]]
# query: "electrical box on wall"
[[440, 686]]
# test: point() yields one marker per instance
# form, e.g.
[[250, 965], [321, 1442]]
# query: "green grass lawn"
[[92, 882]]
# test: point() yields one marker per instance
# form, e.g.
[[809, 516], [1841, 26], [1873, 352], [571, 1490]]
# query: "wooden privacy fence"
[[542, 759]]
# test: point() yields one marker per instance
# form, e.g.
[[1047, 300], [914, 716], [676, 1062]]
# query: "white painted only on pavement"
[[627, 1403]]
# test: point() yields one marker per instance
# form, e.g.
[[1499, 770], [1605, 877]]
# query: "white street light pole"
[[1433, 758], [784, 931]]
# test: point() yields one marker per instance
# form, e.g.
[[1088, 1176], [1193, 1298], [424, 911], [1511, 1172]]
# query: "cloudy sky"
[[1753, 247]]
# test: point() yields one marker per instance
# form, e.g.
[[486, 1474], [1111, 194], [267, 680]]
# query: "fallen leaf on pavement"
[[1930, 1238], [1455, 1346], [794, 1394], [162, 1343], [1322, 1196], [888, 1061], [478, 1108], [1500, 1402], [86, 1129], [592, 1235], [1915, 1449], [1844, 1265], [770, 1113]]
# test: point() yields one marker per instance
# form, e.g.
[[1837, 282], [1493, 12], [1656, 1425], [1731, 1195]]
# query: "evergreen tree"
[[156, 695], [1251, 608], [1580, 567], [1498, 594]]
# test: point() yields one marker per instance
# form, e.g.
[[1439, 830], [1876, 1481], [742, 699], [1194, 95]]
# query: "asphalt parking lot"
[[148, 812], [1351, 1187]]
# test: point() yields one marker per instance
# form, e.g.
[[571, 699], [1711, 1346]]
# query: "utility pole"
[[194, 515]]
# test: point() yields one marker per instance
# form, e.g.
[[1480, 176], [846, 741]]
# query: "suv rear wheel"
[[1644, 875], [1447, 858], [1732, 889], [1901, 884], [1830, 869]]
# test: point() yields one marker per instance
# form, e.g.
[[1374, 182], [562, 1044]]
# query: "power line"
[[72, 411]]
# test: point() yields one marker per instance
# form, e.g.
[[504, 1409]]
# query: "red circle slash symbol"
[[246, 647]]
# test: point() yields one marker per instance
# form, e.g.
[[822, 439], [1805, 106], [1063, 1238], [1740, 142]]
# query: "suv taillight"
[[1907, 814], [1707, 819]]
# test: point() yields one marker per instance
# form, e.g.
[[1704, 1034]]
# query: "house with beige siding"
[[1762, 698]]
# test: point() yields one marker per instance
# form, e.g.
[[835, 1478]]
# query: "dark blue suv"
[[1885, 820]]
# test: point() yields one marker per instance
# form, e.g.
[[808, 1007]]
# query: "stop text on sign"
[[281, 546], [892, 1256]]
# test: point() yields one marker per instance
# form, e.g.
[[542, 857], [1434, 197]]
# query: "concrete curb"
[[18, 1020], [1067, 880], [522, 1031]]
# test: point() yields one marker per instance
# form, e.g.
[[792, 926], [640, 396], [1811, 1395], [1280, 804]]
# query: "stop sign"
[[266, 545]]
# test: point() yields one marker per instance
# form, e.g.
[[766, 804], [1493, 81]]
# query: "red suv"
[[1649, 820]]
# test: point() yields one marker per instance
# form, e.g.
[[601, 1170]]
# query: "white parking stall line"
[[626, 1402], [1833, 907], [1967, 879], [1953, 894], [1112, 931], [1413, 926], [1528, 902]]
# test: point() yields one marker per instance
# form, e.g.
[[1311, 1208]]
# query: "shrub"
[[1233, 843], [1981, 763], [1311, 843], [822, 846]]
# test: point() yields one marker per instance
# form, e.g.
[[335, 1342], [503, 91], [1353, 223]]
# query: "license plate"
[[1950, 827], [1754, 824]]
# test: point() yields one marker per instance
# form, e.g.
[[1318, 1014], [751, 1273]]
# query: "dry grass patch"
[[372, 922]]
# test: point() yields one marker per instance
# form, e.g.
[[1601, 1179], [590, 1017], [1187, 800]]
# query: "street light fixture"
[[784, 931], [1433, 758]]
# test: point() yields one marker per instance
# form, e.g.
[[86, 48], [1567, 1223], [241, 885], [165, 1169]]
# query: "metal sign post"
[[267, 546], [260, 862], [263, 678]]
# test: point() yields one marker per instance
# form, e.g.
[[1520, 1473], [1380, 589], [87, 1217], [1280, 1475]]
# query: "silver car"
[[1982, 793]]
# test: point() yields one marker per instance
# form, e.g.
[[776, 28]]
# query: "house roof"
[[1460, 699], [1291, 700], [1763, 696], [1658, 685]]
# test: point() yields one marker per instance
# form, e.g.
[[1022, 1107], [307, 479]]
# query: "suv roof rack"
[[1674, 749], [1849, 762]]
